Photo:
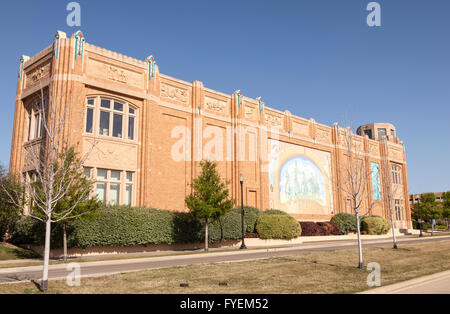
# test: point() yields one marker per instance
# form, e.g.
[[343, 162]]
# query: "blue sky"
[[316, 58]]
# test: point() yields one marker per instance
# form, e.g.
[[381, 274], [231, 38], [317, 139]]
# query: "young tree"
[[354, 179], [8, 211], [79, 189], [53, 168], [210, 197], [429, 208]]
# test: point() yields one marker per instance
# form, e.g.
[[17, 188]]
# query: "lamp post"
[[243, 247]]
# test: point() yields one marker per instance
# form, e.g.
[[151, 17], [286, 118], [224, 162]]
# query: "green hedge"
[[275, 212], [27, 230], [271, 226], [375, 225], [125, 226], [251, 217], [345, 222]]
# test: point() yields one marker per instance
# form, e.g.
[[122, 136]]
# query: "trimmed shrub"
[[125, 226], [328, 228], [251, 217], [27, 230], [345, 222], [310, 228], [271, 226], [375, 225], [275, 212]]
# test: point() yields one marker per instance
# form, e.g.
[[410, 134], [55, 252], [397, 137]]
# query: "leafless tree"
[[53, 166], [354, 177], [391, 190]]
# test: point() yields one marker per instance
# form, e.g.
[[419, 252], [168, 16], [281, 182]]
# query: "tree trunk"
[[393, 227], [48, 225], [65, 241], [206, 234], [358, 230]]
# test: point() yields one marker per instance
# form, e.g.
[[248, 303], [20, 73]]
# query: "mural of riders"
[[300, 179]]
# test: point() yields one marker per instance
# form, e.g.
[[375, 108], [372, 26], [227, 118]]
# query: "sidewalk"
[[270, 245], [433, 284]]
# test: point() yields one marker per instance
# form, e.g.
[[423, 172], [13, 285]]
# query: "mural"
[[300, 179], [376, 181]]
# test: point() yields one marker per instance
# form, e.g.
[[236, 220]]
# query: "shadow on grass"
[[25, 254]]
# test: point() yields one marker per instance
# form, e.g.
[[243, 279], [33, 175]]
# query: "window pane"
[[89, 119], [104, 123], [105, 103], [117, 126], [29, 127], [118, 106], [101, 192], [115, 175], [90, 102], [36, 129], [381, 133], [131, 128], [131, 110], [114, 194], [87, 172], [128, 195], [42, 131], [101, 174], [130, 176]]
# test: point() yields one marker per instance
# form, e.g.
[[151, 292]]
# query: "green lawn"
[[318, 272], [11, 253]]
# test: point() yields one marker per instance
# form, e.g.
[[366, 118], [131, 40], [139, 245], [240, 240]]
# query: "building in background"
[[152, 130], [415, 198]]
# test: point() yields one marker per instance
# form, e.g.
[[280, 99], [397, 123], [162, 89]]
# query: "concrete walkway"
[[99, 268], [433, 284]]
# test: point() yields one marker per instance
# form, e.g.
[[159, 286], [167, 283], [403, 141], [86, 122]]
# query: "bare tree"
[[53, 173], [354, 178], [391, 190]]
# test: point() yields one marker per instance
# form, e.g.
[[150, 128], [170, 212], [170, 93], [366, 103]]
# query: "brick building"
[[152, 130]]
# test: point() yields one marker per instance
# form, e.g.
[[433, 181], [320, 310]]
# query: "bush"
[[345, 222], [375, 225], [251, 217], [27, 230], [329, 228], [275, 212], [310, 228], [125, 226], [271, 226]]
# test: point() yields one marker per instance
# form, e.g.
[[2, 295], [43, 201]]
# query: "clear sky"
[[316, 58]]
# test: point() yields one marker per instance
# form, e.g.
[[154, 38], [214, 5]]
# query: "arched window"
[[110, 117]]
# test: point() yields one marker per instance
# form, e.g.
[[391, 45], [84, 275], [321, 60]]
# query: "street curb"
[[198, 255]]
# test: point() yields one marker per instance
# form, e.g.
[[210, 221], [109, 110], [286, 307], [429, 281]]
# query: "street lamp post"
[[243, 247]]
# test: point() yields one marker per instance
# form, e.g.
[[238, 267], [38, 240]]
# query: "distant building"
[[153, 129], [415, 198]]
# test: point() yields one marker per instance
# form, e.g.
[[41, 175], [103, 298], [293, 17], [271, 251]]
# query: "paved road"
[[119, 266]]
